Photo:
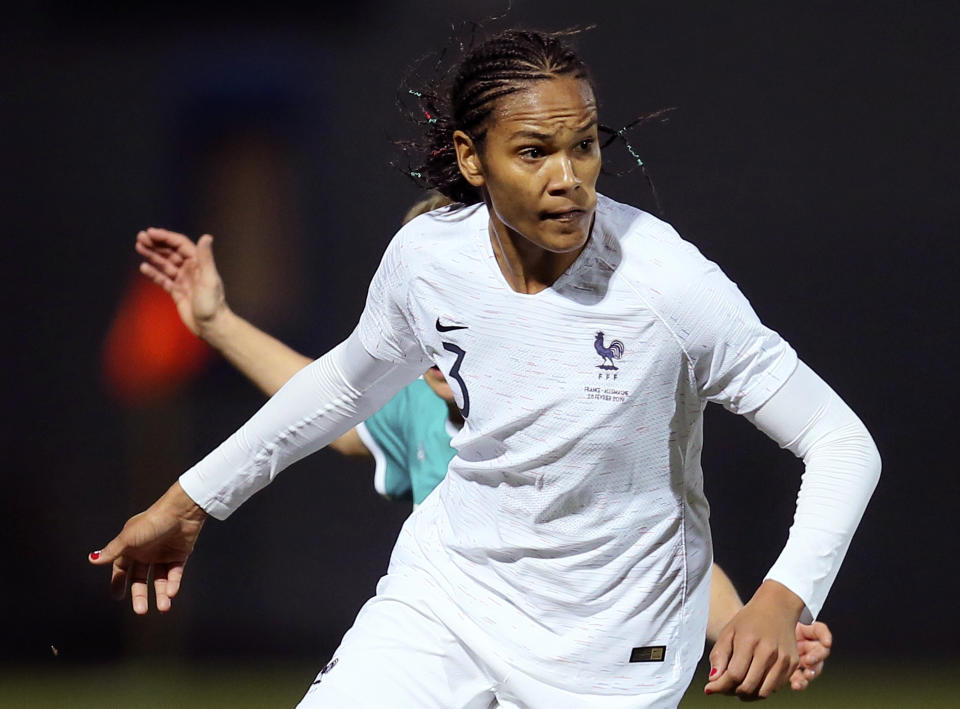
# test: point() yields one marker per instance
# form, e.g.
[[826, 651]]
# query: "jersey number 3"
[[455, 374]]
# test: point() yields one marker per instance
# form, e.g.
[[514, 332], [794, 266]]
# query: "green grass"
[[161, 686], [248, 686], [879, 685]]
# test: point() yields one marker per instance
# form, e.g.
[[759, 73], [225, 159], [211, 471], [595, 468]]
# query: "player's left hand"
[[813, 643], [756, 652]]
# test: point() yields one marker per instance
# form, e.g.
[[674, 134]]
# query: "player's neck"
[[527, 267]]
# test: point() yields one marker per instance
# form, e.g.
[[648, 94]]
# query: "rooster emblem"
[[614, 351]]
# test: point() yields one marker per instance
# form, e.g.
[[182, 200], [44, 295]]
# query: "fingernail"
[[94, 555], [708, 691], [713, 671]]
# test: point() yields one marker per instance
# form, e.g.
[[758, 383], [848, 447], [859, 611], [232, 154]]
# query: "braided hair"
[[497, 67]]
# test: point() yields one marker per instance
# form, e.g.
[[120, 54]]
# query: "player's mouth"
[[564, 216]]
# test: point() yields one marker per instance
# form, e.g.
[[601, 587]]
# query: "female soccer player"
[[409, 438], [564, 560]]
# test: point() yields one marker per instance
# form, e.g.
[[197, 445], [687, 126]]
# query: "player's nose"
[[563, 175]]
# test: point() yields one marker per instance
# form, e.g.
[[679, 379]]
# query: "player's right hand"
[[153, 544], [188, 273]]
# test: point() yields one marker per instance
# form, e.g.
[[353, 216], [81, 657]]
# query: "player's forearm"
[[263, 359], [842, 470], [321, 402], [725, 603]]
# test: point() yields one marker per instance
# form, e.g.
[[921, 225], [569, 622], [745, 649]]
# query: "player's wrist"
[[779, 596], [217, 329], [180, 505]]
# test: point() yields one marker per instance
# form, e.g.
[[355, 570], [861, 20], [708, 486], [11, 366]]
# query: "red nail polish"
[[713, 671], [94, 555], [708, 691]]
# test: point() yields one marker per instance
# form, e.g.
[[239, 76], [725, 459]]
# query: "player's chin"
[[563, 242], [564, 236]]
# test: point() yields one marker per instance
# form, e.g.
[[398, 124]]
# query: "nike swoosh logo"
[[448, 328]]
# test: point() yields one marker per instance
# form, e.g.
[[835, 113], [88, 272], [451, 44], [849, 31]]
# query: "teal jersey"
[[410, 442]]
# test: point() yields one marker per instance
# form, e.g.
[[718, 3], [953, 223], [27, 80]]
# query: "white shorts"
[[397, 656]]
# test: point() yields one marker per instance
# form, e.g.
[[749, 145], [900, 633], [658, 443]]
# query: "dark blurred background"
[[813, 154]]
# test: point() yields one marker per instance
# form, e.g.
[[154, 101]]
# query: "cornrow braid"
[[497, 67]]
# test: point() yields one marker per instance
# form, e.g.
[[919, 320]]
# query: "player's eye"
[[531, 153], [586, 145]]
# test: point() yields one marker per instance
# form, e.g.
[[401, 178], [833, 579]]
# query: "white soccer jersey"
[[572, 526], [571, 533]]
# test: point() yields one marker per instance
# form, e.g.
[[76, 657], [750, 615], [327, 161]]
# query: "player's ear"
[[468, 158]]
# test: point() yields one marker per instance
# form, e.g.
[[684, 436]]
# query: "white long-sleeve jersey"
[[571, 530]]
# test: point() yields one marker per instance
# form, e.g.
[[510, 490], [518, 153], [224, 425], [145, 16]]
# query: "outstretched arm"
[[188, 272], [322, 401]]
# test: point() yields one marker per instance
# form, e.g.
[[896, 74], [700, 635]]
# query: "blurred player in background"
[[409, 438], [565, 559]]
